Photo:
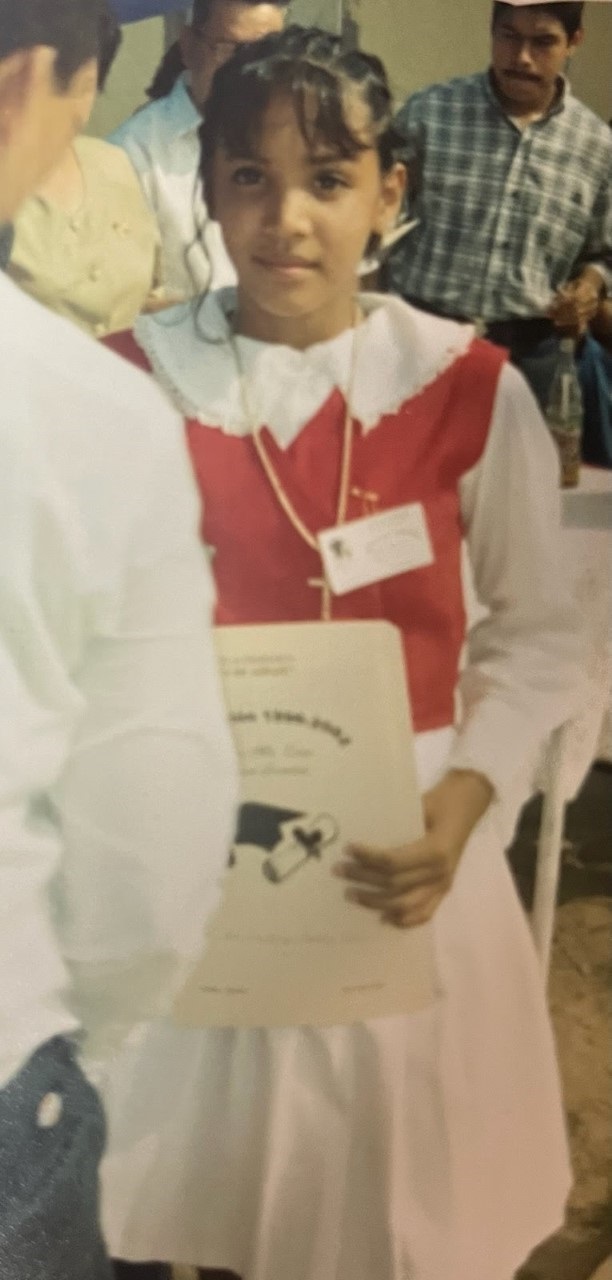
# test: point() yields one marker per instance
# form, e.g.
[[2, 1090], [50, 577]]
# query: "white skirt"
[[429, 1147]]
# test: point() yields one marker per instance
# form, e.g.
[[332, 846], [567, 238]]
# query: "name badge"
[[375, 547]]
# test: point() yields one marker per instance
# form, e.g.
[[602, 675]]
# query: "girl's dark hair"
[[74, 28], [109, 33], [568, 12], [301, 62]]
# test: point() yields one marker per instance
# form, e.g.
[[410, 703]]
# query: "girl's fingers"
[[391, 906], [390, 860], [422, 856], [400, 881], [411, 917]]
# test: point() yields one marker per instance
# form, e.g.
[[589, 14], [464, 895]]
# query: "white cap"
[[568, 345]]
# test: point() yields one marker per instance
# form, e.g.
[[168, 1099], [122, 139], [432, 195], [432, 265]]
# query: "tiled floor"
[[579, 995]]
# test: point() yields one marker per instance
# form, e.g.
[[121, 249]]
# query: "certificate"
[[321, 721]]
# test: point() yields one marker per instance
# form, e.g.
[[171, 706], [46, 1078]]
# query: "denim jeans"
[[539, 369], [534, 348], [533, 342], [52, 1134]]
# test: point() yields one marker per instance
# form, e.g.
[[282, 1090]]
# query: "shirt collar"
[[182, 112], [559, 104], [192, 358]]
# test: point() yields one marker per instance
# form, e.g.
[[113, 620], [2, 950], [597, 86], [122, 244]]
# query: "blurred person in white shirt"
[[162, 140], [117, 776]]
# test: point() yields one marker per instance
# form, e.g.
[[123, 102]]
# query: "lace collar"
[[400, 352]]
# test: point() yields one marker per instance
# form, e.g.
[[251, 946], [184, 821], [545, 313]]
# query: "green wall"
[[141, 51]]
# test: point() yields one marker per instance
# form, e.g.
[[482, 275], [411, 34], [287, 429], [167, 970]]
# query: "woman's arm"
[[523, 677]]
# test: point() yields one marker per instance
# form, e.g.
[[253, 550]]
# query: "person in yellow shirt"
[[86, 243]]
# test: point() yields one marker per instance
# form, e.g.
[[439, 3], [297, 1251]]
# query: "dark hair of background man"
[[172, 65], [568, 12], [72, 27]]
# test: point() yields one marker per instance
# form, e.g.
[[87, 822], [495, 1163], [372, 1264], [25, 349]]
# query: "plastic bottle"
[[565, 413]]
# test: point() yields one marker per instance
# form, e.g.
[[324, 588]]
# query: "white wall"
[[420, 41]]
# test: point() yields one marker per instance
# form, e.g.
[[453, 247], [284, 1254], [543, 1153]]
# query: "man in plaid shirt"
[[512, 182]]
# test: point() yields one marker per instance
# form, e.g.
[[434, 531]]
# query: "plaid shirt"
[[506, 216]]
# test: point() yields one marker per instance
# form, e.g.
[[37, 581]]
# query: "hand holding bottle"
[[564, 413]]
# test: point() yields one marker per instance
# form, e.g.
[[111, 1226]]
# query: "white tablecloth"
[[587, 554], [587, 546]]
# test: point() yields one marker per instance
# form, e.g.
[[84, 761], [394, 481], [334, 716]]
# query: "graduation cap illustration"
[[288, 837]]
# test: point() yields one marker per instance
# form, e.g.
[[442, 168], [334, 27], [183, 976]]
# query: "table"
[[587, 544], [587, 554], [587, 549]]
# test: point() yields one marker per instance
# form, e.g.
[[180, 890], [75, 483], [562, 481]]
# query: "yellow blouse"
[[97, 266]]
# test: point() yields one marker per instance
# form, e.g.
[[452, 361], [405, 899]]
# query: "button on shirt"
[[98, 265], [117, 776], [163, 144], [507, 215]]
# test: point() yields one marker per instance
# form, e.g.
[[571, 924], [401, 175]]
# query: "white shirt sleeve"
[[523, 675], [118, 782], [149, 796], [40, 635]]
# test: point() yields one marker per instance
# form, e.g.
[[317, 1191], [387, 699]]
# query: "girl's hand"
[[406, 885]]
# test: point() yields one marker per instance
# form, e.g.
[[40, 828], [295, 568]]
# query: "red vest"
[[417, 454]]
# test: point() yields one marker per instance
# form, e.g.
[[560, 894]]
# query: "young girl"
[[428, 1147]]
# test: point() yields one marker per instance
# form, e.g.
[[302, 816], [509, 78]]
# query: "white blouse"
[[117, 776]]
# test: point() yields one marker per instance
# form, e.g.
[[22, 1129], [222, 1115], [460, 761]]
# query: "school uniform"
[[406, 1148]]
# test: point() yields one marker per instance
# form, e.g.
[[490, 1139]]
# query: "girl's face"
[[296, 217]]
